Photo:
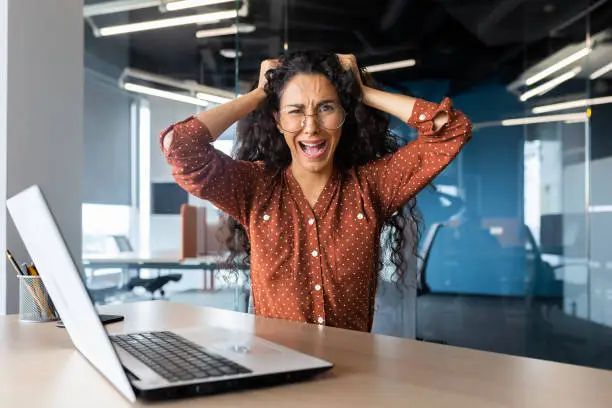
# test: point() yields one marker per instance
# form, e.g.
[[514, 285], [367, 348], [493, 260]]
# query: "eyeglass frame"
[[316, 115]]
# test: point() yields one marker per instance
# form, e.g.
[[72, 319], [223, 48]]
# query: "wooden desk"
[[40, 368]]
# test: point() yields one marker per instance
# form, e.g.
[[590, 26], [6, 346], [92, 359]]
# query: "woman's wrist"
[[394, 104], [366, 93], [258, 93]]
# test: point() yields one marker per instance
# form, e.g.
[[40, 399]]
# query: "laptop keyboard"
[[176, 358]]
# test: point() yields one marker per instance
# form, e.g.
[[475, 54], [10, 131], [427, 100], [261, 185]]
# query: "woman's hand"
[[393, 104], [265, 67], [349, 63], [221, 117]]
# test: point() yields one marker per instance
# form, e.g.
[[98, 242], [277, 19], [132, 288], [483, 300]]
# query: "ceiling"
[[462, 41]]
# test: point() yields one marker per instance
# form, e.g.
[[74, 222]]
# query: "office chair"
[[150, 285]]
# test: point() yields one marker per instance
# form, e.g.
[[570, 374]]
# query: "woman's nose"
[[310, 124]]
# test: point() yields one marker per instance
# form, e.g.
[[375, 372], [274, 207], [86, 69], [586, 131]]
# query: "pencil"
[[14, 263]]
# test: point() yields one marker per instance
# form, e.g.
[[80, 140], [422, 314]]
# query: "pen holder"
[[35, 304]]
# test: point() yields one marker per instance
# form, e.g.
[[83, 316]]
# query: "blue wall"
[[467, 258]]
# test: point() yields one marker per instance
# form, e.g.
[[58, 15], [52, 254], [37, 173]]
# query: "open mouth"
[[314, 149]]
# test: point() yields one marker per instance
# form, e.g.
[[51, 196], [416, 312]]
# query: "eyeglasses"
[[329, 116]]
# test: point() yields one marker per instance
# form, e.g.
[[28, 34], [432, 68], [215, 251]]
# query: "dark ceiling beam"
[[209, 65], [486, 69], [407, 46], [392, 13], [277, 11], [317, 7], [497, 13]]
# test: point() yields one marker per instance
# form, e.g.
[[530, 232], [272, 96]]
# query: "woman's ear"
[[275, 114]]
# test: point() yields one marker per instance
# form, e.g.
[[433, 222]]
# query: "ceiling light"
[[601, 71], [117, 6], [212, 98], [185, 4], [391, 65], [559, 65], [580, 103], [233, 29], [572, 121], [548, 86], [582, 116], [230, 53], [167, 22], [163, 94]]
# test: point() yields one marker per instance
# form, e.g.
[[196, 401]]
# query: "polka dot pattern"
[[316, 264]]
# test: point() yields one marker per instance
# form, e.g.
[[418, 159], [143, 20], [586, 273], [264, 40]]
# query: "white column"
[[41, 120]]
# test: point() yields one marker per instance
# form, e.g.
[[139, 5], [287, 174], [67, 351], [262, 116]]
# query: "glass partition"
[[522, 268]]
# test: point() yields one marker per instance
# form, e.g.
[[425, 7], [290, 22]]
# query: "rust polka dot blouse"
[[320, 264]]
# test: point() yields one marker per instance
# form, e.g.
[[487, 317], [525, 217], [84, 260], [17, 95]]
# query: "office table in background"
[[170, 260], [40, 368]]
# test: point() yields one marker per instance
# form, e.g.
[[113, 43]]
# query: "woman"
[[317, 177]]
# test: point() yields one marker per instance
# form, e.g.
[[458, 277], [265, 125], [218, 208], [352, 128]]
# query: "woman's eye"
[[295, 112], [327, 108]]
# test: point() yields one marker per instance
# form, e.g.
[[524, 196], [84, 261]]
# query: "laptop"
[[151, 365]]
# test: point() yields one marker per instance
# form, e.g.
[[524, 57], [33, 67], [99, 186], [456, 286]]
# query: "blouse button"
[[314, 253], [360, 216], [311, 221], [320, 319], [422, 116], [266, 217], [317, 287]]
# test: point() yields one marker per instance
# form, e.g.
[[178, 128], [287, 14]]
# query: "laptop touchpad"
[[250, 346]]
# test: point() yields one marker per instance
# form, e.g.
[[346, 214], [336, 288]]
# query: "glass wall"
[[523, 267]]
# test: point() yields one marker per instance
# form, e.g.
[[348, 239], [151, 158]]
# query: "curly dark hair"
[[365, 137]]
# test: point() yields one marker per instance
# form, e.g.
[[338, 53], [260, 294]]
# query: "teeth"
[[311, 144]]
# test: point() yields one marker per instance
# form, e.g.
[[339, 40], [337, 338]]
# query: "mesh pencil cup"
[[35, 304]]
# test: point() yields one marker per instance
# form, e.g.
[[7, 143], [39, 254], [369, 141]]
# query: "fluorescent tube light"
[[600, 208], [167, 22], [117, 6], [230, 53], [391, 65], [212, 98], [601, 71], [185, 4], [582, 116], [580, 103], [558, 66], [233, 29], [548, 86], [163, 94]]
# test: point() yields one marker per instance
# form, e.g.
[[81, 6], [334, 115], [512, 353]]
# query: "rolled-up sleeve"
[[206, 172], [398, 177]]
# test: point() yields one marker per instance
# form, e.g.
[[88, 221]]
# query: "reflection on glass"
[[524, 266]]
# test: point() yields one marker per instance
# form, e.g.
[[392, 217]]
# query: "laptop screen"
[[47, 248]]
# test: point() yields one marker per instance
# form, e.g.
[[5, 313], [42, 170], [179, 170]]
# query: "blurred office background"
[[516, 254]]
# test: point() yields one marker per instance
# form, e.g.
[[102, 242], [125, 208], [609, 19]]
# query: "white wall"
[[3, 176], [41, 77], [165, 229], [164, 113]]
